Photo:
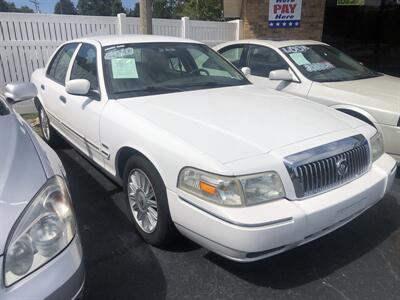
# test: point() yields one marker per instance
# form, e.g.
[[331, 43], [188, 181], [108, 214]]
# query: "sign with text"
[[350, 2], [284, 13]]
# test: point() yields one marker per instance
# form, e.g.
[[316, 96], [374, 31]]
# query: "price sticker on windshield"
[[318, 67], [299, 59], [295, 49], [124, 68]]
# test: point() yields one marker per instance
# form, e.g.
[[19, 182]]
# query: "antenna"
[[36, 4]]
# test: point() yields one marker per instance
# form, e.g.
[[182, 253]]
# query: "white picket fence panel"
[[28, 40]]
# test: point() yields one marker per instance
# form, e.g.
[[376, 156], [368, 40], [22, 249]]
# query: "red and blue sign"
[[284, 13]]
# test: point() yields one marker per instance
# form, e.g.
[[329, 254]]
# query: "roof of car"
[[108, 40], [273, 43]]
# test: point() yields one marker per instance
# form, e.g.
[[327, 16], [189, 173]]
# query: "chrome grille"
[[323, 168]]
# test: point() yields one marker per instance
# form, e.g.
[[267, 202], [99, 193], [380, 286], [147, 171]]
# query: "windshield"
[[324, 63], [155, 68]]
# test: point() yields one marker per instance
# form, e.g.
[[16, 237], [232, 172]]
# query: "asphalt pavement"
[[359, 261]]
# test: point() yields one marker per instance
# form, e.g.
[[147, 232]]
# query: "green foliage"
[[87, 7], [162, 9], [134, 12], [209, 10], [65, 7], [10, 7], [116, 7], [100, 7], [25, 9]]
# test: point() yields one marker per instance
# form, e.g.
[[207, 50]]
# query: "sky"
[[47, 6]]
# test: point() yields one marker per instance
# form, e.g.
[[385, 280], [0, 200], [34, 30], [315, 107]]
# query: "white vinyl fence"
[[28, 40]]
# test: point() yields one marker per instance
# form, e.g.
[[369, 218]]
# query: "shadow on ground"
[[321, 257], [119, 265]]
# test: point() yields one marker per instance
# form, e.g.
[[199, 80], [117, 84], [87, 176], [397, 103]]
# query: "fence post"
[[185, 27], [239, 28], [122, 24]]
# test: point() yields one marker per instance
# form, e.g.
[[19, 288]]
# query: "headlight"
[[376, 146], [231, 191], [46, 227]]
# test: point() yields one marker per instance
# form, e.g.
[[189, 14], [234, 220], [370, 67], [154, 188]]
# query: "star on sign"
[[278, 24], [297, 23], [271, 24], [290, 23], [284, 23]]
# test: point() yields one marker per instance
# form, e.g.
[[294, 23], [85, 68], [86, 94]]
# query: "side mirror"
[[17, 92], [246, 71], [78, 87], [284, 75]]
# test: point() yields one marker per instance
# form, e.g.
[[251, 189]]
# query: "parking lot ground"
[[359, 261]]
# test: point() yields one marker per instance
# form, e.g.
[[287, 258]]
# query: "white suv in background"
[[245, 172]]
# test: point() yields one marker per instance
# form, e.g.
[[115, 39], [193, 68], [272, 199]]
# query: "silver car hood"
[[21, 172]]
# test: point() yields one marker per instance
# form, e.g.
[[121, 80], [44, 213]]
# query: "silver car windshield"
[[154, 68], [324, 63]]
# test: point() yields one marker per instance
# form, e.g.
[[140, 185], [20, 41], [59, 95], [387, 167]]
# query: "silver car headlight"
[[231, 191], [46, 227], [376, 146]]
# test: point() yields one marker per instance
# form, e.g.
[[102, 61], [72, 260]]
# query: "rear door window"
[[58, 67]]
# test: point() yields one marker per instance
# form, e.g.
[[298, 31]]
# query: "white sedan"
[[319, 72], [200, 150]]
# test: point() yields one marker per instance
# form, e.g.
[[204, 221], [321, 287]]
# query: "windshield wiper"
[[211, 84], [152, 89]]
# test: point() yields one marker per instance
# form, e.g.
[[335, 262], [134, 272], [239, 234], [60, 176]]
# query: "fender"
[[127, 151], [345, 108]]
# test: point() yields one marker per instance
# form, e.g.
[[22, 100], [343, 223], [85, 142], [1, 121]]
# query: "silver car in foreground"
[[40, 250]]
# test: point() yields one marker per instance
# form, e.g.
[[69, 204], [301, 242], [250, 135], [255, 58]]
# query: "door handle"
[[63, 99], [42, 86]]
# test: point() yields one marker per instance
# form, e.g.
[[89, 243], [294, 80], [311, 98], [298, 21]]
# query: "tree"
[[100, 7], [146, 19], [134, 12], [210, 10], [25, 9], [116, 7], [162, 9], [65, 7], [87, 7], [10, 7]]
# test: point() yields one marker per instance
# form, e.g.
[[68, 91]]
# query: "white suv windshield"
[[154, 68], [323, 63]]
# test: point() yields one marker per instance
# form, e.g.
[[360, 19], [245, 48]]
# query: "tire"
[[48, 133], [142, 203]]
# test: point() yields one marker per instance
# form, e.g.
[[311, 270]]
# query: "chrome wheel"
[[44, 122], [142, 200]]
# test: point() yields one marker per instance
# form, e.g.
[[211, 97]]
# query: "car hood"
[[21, 173], [232, 123], [382, 92]]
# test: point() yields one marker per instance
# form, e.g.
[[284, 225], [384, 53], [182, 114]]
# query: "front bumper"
[[256, 232], [61, 278], [391, 138]]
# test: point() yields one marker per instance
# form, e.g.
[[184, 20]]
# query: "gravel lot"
[[358, 261]]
